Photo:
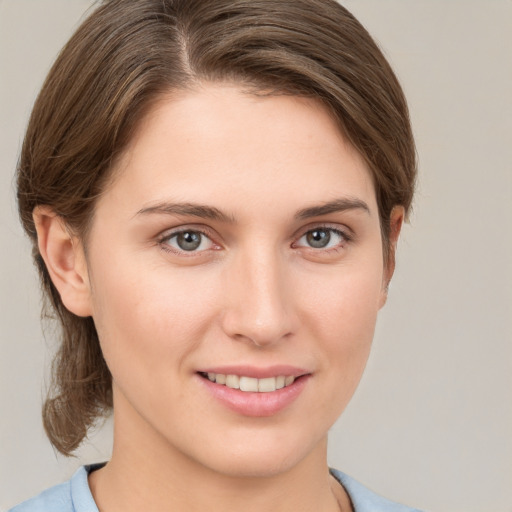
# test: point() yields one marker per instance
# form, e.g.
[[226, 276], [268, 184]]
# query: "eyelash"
[[163, 241], [345, 238]]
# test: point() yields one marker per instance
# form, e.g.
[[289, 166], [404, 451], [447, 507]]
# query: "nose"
[[259, 305]]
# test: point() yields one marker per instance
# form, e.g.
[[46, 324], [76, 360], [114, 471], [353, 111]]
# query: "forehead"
[[219, 143]]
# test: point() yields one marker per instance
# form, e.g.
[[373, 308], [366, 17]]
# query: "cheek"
[[345, 333], [350, 325], [341, 313], [148, 315], [346, 299]]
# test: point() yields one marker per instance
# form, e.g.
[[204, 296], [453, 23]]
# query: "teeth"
[[232, 381], [250, 384], [267, 385]]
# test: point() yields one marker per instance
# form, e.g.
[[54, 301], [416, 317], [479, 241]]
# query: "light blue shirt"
[[75, 496]]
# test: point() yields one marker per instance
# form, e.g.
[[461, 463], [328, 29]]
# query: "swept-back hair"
[[121, 60]]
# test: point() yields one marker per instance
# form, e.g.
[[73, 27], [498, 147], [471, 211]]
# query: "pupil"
[[189, 240], [318, 238]]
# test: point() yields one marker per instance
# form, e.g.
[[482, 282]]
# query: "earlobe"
[[396, 220], [64, 257]]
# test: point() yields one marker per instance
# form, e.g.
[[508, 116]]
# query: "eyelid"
[[344, 231], [347, 232], [170, 233]]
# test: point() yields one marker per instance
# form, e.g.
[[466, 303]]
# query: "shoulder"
[[71, 496], [364, 500], [57, 498]]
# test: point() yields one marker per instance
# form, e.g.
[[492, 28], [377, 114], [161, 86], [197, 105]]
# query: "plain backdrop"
[[431, 422]]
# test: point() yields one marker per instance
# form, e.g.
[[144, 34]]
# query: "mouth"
[[255, 392], [250, 384]]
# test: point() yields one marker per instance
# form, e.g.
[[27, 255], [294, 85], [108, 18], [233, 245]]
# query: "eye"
[[322, 238], [187, 240]]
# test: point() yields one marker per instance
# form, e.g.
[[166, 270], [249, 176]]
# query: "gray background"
[[431, 423]]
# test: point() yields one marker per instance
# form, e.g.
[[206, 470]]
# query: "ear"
[[396, 219], [64, 257]]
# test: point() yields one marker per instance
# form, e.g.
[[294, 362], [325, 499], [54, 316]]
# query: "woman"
[[214, 190]]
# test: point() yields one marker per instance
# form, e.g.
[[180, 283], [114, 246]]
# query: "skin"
[[255, 292]]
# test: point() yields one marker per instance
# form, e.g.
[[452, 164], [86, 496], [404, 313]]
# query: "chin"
[[263, 457], [262, 466]]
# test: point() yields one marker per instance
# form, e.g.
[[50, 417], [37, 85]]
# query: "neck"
[[147, 473]]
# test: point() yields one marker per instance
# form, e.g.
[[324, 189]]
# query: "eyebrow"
[[188, 209], [212, 213], [338, 205]]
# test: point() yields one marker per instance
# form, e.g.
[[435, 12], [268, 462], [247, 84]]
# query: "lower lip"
[[256, 404]]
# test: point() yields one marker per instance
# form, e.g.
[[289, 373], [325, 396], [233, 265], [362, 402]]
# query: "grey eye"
[[322, 238], [189, 240], [318, 238]]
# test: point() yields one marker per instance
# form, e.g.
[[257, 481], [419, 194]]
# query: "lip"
[[256, 372], [254, 404]]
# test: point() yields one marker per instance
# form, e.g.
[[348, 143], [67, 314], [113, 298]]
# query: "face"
[[238, 247]]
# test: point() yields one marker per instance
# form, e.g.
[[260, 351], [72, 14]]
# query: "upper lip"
[[255, 371]]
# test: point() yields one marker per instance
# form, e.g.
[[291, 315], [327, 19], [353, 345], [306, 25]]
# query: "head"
[[131, 56]]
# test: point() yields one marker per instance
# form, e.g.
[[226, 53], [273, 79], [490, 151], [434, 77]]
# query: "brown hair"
[[122, 59]]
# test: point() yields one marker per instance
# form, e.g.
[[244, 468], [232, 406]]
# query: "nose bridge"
[[258, 288]]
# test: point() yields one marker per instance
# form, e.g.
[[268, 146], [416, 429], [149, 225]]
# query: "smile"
[[255, 392], [250, 384]]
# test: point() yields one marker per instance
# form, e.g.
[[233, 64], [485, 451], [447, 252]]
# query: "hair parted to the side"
[[122, 59]]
